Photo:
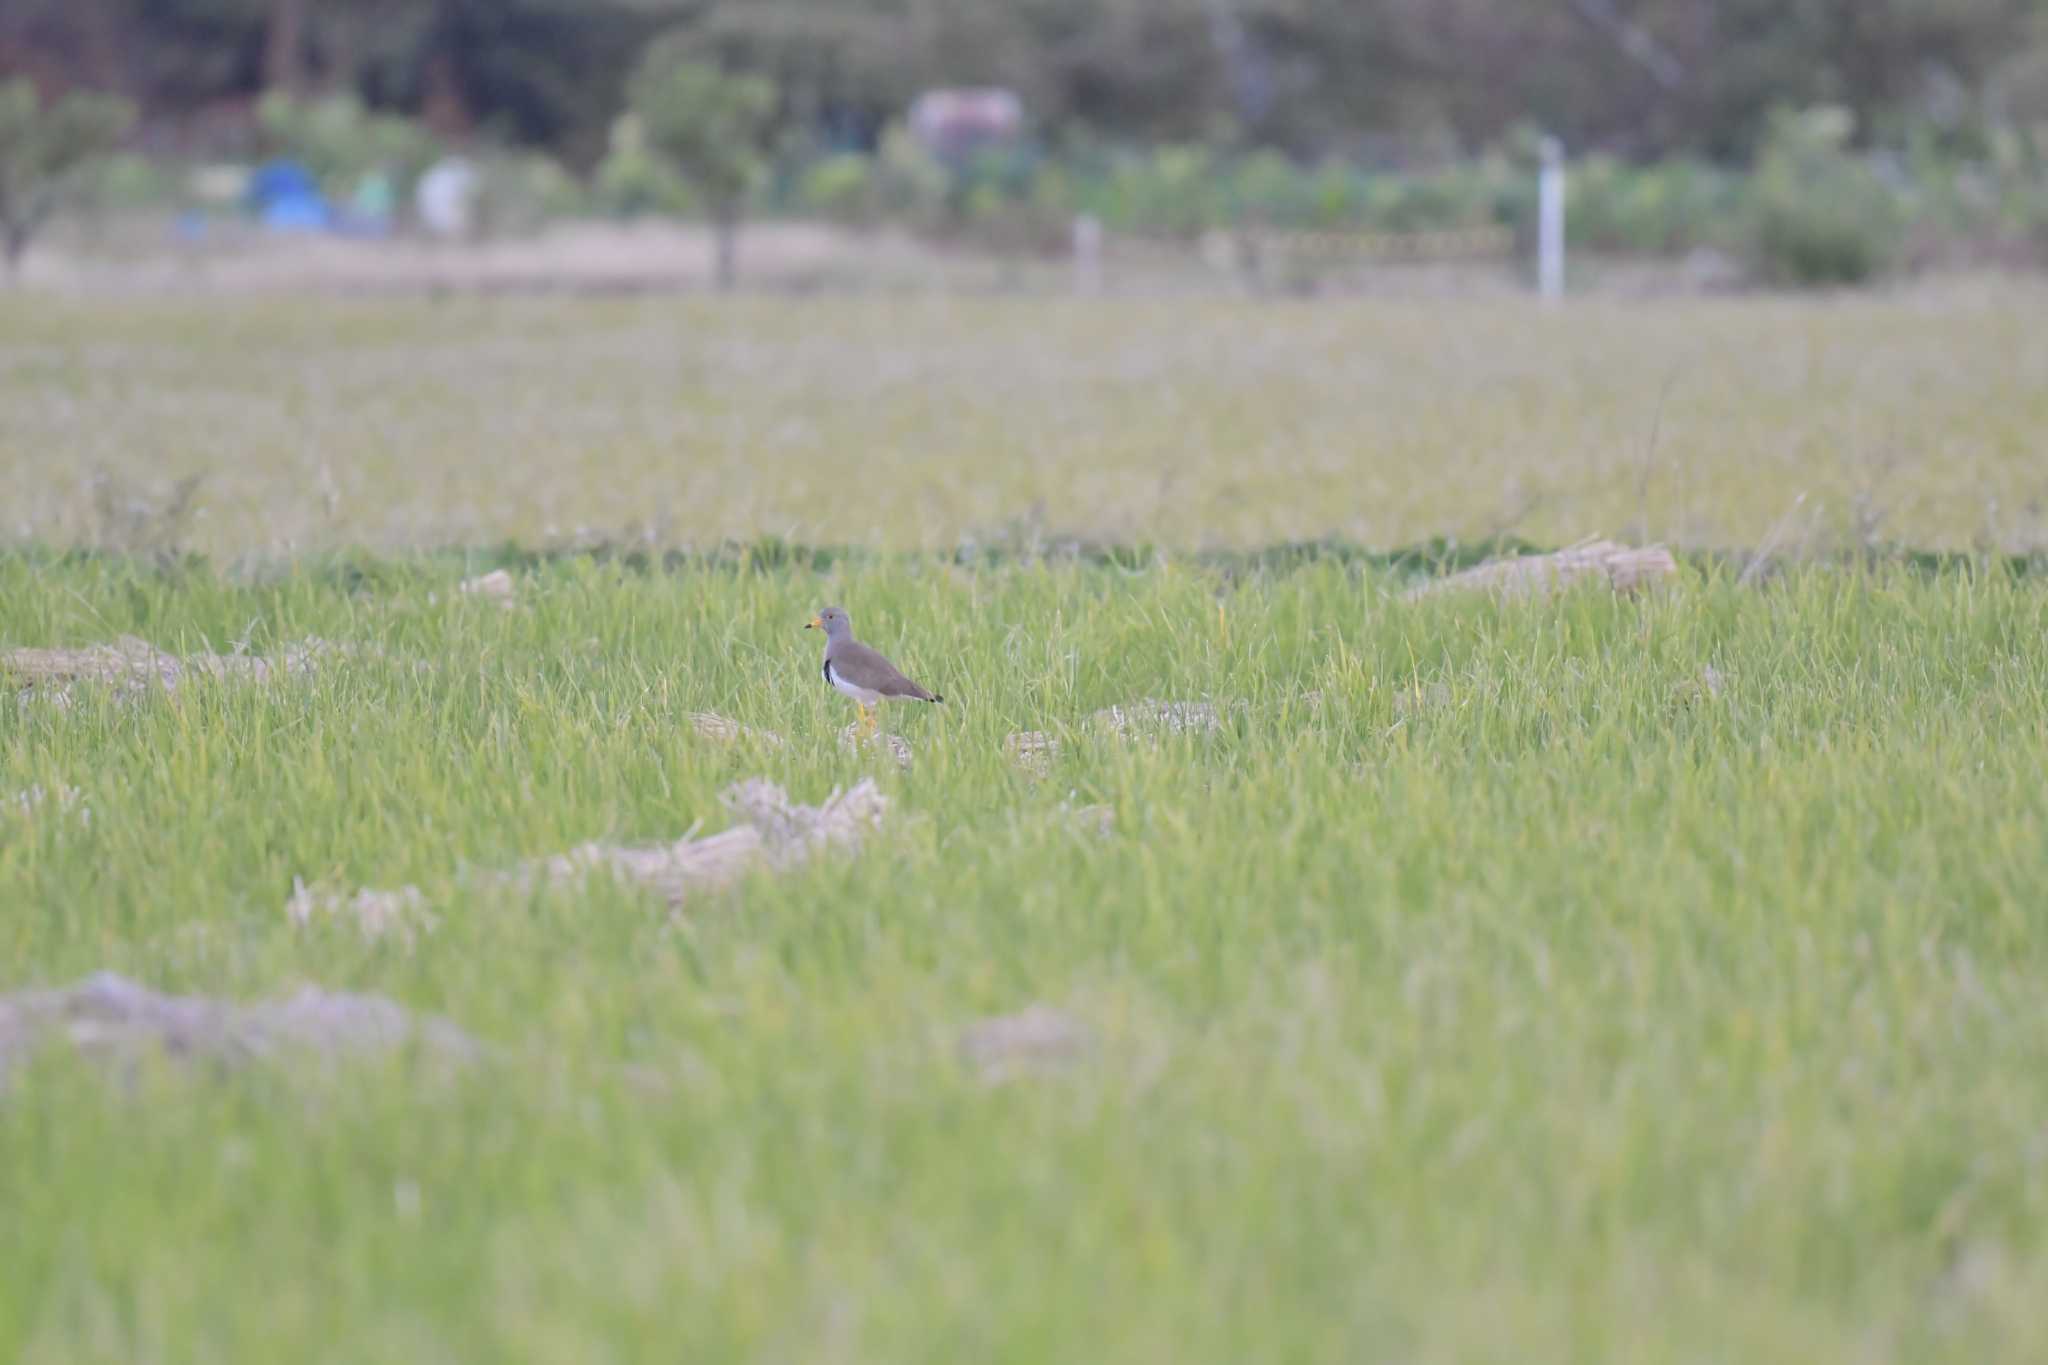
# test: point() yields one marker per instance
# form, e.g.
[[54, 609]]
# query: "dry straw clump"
[[1035, 1040], [134, 666], [399, 913], [65, 802], [1150, 719], [1099, 820], [1707, 687], [1034, 751], [895, 746], [112, 1019], [773, 832], [1624, 568], [495, 586], [726, 730]]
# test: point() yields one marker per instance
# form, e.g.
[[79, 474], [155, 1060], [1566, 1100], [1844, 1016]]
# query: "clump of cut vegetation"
[[1624, 568], [773, 832], [118, 1023]]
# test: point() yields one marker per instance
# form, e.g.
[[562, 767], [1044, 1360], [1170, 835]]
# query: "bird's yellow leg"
[[867, 719]]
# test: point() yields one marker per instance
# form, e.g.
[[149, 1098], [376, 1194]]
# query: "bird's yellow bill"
[[815, 623]]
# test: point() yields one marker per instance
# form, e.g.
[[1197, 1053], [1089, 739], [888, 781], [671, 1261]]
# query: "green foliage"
[[340, 140], [46, 150], [1818, 213], [1659, 209], [841, 188], [520, 192], [715, 128], [914, 186], [632, 182], [1140, 71]]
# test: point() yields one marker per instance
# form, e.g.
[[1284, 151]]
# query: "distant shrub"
[[521, 191], [1817, 213], [632, 181], [1811, 211], [842, 188], [340, 141], [911, 185], [1660, 209]]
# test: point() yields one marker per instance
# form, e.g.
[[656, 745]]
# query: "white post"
[[1088, 254], [1550, 222]]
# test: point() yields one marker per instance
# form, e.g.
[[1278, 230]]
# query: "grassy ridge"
[[1493, 984]]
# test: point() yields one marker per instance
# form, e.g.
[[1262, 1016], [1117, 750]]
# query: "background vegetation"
[[1652, 77], [1694, 122]]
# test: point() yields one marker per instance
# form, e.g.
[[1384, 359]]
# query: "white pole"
[[1550, 222], [1088, 254]]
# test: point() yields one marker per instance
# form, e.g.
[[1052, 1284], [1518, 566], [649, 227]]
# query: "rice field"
[[1246, 962]]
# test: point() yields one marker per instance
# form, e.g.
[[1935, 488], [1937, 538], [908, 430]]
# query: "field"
[[1594, 977], [914, 422]]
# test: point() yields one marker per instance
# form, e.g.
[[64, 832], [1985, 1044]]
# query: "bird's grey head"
[[832, 620]]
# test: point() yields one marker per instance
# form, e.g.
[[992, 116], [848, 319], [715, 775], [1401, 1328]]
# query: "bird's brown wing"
[[863, 667]]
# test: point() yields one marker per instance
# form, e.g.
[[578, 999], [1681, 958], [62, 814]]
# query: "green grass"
[[1579, 1012]]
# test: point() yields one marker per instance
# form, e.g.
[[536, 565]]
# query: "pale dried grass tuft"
[[111, 1019], [1419, 698], [65, 802], [1099, 820], [1708, 686], [1624, 568], [726, 730], [400, 914], [495, 586], [1036, 1040], [1034, 751], [133, 666], [1150, 719], [895, 746], [774, 832]]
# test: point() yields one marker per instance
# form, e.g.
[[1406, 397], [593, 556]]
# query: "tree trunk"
[[105, 51], [443, 106], [725, 242], [284, 49], [13, 246]]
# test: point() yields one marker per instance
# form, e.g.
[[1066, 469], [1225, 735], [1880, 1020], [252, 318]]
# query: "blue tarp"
[[287, 198]]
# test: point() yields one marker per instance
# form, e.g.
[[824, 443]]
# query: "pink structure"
[[954, 125]]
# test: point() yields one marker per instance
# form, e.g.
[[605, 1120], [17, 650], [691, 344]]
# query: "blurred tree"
[[538, 71], [339, 141], [842, 71], [716, 128], [284, 48], [1387, 79], [44, 148]]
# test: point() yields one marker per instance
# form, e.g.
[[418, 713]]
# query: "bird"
[[860, 672]]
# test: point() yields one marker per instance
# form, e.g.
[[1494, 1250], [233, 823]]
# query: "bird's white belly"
[[859, 694]]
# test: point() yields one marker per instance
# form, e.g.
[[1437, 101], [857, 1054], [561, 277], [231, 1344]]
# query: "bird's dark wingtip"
[[937, 697]]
